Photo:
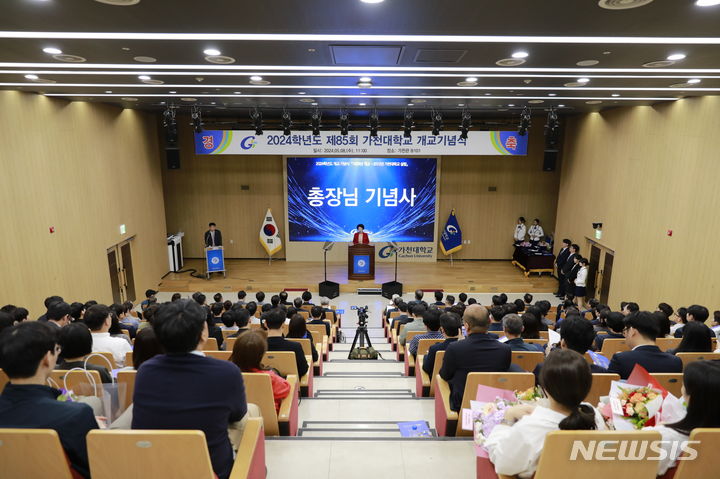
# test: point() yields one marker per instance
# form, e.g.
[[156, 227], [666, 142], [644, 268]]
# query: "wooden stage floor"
[[462, 276]]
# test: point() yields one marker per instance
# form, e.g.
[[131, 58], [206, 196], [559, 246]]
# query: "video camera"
[[362, 312]]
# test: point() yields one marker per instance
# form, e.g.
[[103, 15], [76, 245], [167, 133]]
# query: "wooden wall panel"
[[642, 171], [84, 169]]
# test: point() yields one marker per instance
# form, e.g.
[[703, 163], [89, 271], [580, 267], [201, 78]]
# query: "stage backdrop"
[[395, 198]]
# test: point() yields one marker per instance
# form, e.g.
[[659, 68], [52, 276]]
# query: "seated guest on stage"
[[260, 298], [450, 324], [402, 318], [217, 310], [213, 236], [284, 298], [316, 315], [184, 389], [361, 237], [274, 321], [478, 353], [28, 353], [416, 314], [241, 297], [513, 328], [98, 319], [306, 297], [578, 335], [242, 321], [247, 355], [514, 447], [640, 334], [496, 316], [431, 320], [439, 298], [76, 343], [701, 387], [695, 339], [696, 313], [329, 312], [297, 329], [616, 324]]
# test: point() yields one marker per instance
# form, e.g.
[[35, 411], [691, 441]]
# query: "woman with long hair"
[[695, 339], [298, 329], [515, 446]]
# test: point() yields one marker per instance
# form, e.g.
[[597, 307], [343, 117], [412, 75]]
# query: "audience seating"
[[107, 357], [423, 346], [611, 346], [77, 381], [667, 343], [402, 350], [545, 335], [211, 345], [704, 465], [227, 333], [319, 337], [230, 344], [394, 337], [688, 358], [284, 361], [126, 388], [3, 380], [600, 386], [527, 359], [424, 384], [258, 391], [307, 350], [122, 454], [129, 359], [34, 453], [446, 420], [671, 381], [224, 355], [558, 448]]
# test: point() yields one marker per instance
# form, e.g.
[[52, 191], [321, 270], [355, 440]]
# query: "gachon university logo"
[[247, 143]]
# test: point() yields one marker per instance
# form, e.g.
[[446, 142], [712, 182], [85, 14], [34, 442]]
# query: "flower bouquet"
[[67, 395], [636, 405]]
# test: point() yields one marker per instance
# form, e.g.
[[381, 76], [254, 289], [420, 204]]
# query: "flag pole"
[[451, 259]]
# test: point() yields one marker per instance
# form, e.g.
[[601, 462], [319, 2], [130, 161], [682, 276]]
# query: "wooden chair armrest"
[[442, 388], [252, 434], [286, 404]]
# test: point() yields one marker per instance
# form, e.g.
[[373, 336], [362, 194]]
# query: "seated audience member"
[[22, 314], [266, 307], [242, 321], [402, 318], [496, 300], [119, 312], [298, 304], [218, 298], [77, 311], [199, 298], [640, 333], [116, 330], [275, 301], [251, 308], [496, 315], [329, 312], [184, 389], [58, 314], [438, 298], [146, 346], [247, 354], [519, 306], [577, 334], [449, 301], [149, 299], [527, 299], [462, 298], [513, 327], [260, 298], [6, 320], [431, 320], [715, 324], [418, 298], [228, 321], [629, 308], [663, 324], [76, 343], [679, 319], [416, 314], [450, 324], [297, 329], [306, 297], [667, 310], [615, 325], [99, 319], [284, 298], [128, 317], [478, 353], [241, 298], [28, 353], [694, 340], [227, 305], [175, 297], [701, 388], [531, 326], [566, 379], [274, 321], [217, 310], [472, 301], [538, 310], [48, 301], [698, 314], [8, 308], [214, 330], [316, 315]]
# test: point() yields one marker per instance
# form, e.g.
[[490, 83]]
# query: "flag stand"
[[451, 259]]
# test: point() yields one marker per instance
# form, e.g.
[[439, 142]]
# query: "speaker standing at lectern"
[[213, 236], [361, 237]]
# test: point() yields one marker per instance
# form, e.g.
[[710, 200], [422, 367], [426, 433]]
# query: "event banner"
[[394, 198], [245, 142]]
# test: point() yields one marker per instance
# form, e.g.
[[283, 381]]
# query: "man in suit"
[[402, 318], [496, 317], [306, 297], [571, 269], [284, 298], [417, 324], [213, 236], [274, 321], [478, 353], [694, 313], [640, 332], [184, 389], [418, 299], [439, 299], [316, 317], [513, 328], [561, 261], [28, 353], [329, 312], [616, 324], [48, 301], [450, 324]]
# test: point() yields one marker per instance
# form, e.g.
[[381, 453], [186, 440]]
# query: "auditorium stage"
[[461, 276]]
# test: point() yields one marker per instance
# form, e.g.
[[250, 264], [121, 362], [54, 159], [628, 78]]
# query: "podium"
[[214, 260], [361, 261]]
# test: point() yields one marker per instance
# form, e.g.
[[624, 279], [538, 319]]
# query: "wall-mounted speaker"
[[550, 160], [172, 157]]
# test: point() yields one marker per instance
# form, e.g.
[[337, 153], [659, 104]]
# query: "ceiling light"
[[255, 78], [365, 79], [583, 80], [301, 93], [676, 57], [108, 91], [372, 1], [693, 81], [461, 104], [520, 54], [616, 94], [211, 51], [552, 94], [144, 77], [128, 98], [561, 106], [173, 92], [411, 104], [32, 77], [52, 50], [145, 59], [362, 104], [707, 3], [587, 63], [237, 92], [511, 104], [314, 103], [364, 84], [471, 79]]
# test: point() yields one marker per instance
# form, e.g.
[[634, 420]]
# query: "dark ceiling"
[[325, 69]]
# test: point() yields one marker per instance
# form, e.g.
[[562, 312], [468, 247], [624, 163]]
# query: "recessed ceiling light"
[[471, 79], [372, 1], [314, 103], [119, 3], [502, 109], [153, 82], [52, 50], [561, 106], [144, 59], [128, 98], [64, 57], [173, 92], [220, 59], [301, 93], [488, 94], [237, 92], [607, 53], [510, 62], [108, 91], [536, 102], [211, 51], [311, 50], [573, 84], [32, 77], [583, 80], [520, 54], [676, 56], [622, 4], [307, 100], [212, 103], [411, 104], [461, 104], [693, 81], [255, 78], [362, 84], [362, 104], [511, 104], [587, 63], [188, 99], [593, 102], [144, 77], [552, 94], [707, 3], [616, 94], [658, 64], [365, 79]]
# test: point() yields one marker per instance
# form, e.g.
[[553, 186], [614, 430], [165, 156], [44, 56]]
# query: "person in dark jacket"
[[274, 321], [450, 324], [76, 343], [513, 328]]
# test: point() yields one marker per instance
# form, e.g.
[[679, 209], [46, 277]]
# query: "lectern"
[[361, 261]]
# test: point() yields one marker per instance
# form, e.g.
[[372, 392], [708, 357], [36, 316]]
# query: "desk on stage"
[[531, 260], [361, 261]]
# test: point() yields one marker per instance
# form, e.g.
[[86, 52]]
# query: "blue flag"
[[451, 238]]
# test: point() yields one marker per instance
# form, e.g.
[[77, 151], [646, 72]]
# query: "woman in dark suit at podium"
[[361, 237]]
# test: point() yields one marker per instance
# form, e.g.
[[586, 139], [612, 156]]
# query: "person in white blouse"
[[515, 446], [700, 390], [580, 282], [536, 231], [520, 230]]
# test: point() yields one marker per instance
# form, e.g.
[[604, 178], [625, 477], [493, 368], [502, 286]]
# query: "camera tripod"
[[360, 333]]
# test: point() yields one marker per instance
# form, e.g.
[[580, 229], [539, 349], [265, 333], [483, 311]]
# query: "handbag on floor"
[[364, 353]]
